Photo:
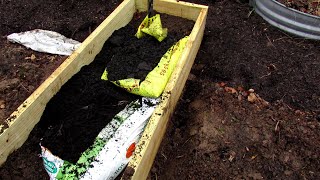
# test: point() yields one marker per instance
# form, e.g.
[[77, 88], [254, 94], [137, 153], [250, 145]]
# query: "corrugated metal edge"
[[288, 19]]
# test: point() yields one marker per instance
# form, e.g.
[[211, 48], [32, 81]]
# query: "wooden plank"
[[22, 121], [147, 147], [182, 9]]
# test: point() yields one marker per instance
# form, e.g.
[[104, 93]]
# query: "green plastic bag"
[[157, 79]]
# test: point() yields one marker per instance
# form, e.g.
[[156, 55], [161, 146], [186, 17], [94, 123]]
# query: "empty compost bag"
[[111, 150], [45, 41], [152, 25], [157, 79]]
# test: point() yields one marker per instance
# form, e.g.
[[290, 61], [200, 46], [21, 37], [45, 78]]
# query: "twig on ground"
[[24, 87], [270, 41], [281, 38], [276, 129], [164, 155], [265, 75], [187, 140], [250, 12], [178, 157]]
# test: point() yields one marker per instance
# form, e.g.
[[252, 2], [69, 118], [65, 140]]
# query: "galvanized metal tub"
[[288, 19]]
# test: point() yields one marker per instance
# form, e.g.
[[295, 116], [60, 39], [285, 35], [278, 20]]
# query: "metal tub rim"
[[288, 19]]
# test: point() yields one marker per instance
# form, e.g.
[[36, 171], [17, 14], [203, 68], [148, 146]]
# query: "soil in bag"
[[86, 104]]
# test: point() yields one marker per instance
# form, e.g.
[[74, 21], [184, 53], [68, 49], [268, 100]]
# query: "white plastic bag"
[[45, 41]]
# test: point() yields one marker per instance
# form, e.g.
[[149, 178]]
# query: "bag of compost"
[[111, 150], [157, 79]]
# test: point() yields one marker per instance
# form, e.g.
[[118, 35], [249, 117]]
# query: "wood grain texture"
[[182, 9], [148, 146]]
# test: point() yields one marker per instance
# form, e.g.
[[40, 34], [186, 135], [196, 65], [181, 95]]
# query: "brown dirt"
[[85, 104], [215, 134], [20, 74], [306, 6], [218, 135]]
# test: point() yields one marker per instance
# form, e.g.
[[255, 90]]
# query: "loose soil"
[[306, 6], [85, 104], [128, 51], [23, 70], [216, 133]]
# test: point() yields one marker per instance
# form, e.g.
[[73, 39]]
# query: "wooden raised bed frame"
[[28, 114]]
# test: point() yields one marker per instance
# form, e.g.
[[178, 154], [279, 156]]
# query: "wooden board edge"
[[147, 147], [22, 121], [182, 9]]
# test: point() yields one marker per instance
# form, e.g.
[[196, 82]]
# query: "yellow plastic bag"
[[157, 79], [153, 27]]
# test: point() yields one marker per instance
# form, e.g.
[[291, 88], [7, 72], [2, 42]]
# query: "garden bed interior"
[[83, 106]]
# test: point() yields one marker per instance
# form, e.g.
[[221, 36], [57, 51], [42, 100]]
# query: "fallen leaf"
[[232, 156], [2, 104], [230, 90], [32, 57], [252, 97]]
